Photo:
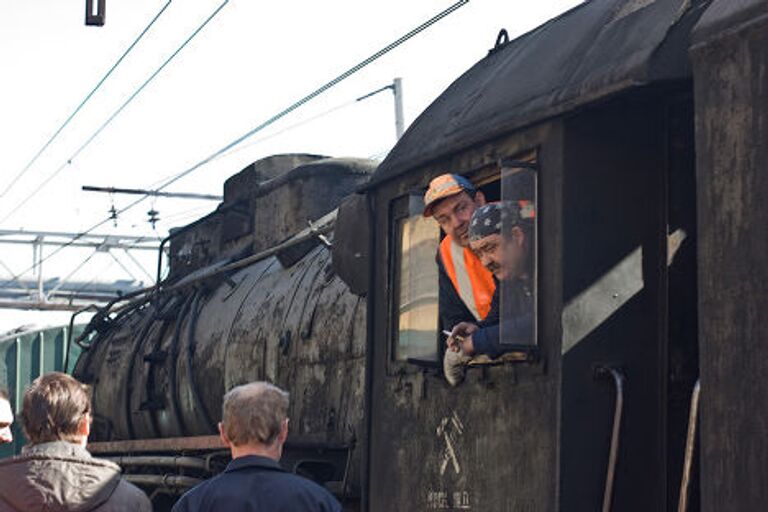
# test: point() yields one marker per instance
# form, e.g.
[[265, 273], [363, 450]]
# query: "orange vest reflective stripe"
[[472, 281]]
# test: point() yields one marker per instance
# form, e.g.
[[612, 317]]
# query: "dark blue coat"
[[517, 322], [257, 484]]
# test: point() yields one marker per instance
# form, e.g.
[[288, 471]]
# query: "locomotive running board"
[[194, 443]]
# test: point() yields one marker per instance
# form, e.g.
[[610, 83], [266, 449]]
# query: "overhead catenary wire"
[[304, 121], [288, 128], [268, 122], [317, 92], [188, 213], [85, 100], [90, 282], [117, 112], [75, 271]]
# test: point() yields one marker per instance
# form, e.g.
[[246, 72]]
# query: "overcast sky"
[[252, 60]]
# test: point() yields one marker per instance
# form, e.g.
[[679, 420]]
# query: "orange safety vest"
[[472, 281]]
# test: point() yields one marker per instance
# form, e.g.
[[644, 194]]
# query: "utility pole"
[[37, 262], [397, 89]]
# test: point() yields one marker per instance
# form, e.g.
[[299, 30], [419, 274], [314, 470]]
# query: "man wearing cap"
[[501, 234], [466, 286]]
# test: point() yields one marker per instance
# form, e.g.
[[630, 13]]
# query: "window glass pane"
[[517, 274], [417, 285]]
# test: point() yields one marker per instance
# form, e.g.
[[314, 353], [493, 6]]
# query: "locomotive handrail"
[[68, 341], [305, 235], [176, 462], [323, 226], [690, 444], [166, 481], [618, 381]]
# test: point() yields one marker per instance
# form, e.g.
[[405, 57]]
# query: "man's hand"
[[460, 339]]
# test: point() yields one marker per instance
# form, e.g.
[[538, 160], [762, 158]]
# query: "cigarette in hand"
[[458, 338]]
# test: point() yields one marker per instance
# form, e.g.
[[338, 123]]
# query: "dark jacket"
[[256, 484], [61, 476], [516, 322]]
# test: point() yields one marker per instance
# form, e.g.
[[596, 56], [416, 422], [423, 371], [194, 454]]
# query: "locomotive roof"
[[590, 52], [722, 15]]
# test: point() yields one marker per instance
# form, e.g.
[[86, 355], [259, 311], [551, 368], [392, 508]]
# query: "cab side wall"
[[509, 447], [731, 91], [614, 216]]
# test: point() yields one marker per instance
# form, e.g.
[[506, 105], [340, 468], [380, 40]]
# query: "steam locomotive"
[[644, 125]]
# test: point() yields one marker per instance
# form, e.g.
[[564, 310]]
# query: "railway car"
[[637, 129]]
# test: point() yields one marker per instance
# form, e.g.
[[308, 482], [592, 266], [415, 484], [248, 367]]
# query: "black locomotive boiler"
[[251, 295]]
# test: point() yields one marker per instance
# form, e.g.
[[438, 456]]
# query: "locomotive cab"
[[594, 412]]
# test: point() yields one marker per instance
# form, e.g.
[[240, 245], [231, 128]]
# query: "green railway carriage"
[[24, 357]]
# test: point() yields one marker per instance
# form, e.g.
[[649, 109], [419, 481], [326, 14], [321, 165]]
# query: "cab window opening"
[[432, 275], [415, 284]]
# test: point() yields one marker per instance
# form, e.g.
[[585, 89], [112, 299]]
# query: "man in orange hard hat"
[[466, 286]]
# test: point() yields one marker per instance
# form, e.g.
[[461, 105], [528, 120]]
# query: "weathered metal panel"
[[724, 16], [614, 280], [352, 236], [491, 443], [23, 358], [731, 97]]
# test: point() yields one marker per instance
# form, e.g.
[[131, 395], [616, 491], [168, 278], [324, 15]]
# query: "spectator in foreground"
[[6, 418], [55, 472], [254, 426]]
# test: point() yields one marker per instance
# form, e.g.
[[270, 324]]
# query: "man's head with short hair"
[[56, 407], [255, 415], [452, 199], [6, 417]]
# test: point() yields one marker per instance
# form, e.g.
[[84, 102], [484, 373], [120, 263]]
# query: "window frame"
[[399, 209], [482, 175]]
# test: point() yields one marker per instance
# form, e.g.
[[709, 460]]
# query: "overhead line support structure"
[[25, 295], [154, 193]]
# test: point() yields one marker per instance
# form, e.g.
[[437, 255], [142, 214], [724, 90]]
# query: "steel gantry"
[[21, 291]]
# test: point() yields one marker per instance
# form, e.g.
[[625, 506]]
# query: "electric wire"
[[306, 121], [103, 271], [188, 213], [71, 274], [139, 265], [317, 92], [125, 268], [280, 132], [115, 113], [85, 100], [288, 128], [266, 123]]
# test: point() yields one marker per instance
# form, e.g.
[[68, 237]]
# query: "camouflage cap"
[[489, 219]]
